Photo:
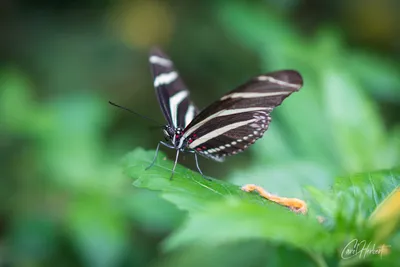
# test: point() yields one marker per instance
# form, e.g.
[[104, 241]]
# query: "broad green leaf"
[[237, 254], [231, 213], [234, 220], [347, 211], [188, 189], [221, 213]]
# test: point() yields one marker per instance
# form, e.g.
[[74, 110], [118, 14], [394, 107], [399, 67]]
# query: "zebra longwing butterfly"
[[226, 127]]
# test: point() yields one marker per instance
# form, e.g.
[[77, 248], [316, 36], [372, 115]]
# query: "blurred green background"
[[64, 200]]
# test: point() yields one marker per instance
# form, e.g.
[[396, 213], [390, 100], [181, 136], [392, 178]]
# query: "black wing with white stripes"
[[240, 117], [171, 92]]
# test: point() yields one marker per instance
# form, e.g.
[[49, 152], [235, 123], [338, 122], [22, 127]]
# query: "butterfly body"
[[226, 127]]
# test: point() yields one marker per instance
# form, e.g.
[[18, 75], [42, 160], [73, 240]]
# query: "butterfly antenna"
[[131, 111]]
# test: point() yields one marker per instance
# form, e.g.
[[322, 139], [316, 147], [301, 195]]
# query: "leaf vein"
[[374, 193]]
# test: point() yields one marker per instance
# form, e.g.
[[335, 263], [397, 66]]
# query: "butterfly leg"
[[155, 156], [198, 167], [176, 161]]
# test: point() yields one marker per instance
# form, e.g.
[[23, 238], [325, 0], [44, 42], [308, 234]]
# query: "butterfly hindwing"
[[172, 93], [240, 117]]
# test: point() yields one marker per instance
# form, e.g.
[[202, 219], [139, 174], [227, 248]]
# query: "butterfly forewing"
[[172, 93], [241, 116]]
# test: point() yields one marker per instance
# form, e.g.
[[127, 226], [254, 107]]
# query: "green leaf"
[[188, 189], [221, 213], [231, 213], [238, 254], [348, 207], [234, 220], [361, 194], [353, 199]]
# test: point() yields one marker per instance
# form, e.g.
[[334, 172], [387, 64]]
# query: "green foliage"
[[74, 185], [188, 190], [332, 127], [221, 213], [340, 130], [64, 200]]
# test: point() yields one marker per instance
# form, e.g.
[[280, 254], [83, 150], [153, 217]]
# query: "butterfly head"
[[168, 132], [173, 135]]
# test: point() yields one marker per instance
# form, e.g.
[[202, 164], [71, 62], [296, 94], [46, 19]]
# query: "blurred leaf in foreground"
[[237, 254], [234, 220], [220, 213]]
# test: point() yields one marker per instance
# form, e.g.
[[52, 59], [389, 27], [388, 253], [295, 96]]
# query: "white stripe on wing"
[[165, 78], [276, 81], [218, 132], [174, 102], [254, 94], [160, 61], [224, 112], [189, 114]]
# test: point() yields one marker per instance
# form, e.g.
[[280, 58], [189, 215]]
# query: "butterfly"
[[226, 127]]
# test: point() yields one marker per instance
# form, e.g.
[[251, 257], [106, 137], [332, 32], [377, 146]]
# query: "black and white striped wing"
[[240, 117], [172, 94]]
